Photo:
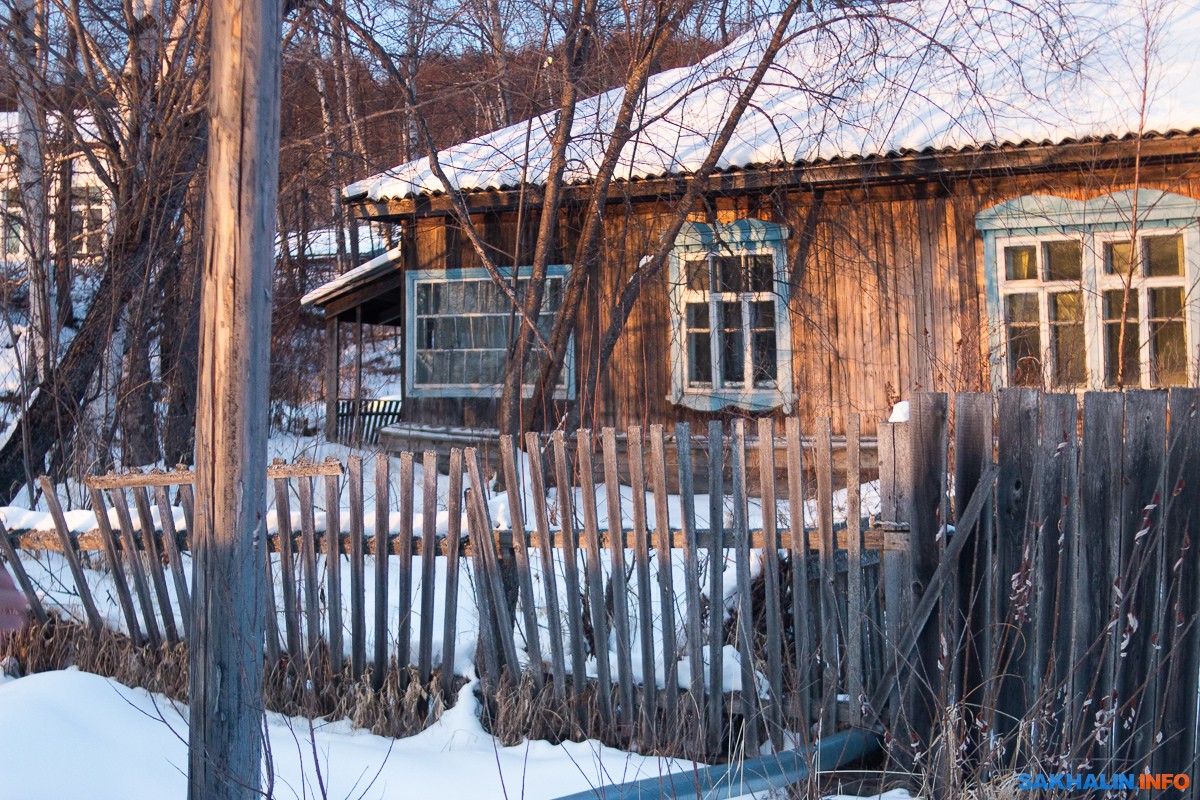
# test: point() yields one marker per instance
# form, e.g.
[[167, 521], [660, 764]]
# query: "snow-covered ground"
[[129, 744]]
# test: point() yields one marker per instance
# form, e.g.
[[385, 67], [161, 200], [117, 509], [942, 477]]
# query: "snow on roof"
[[323, 243], [352, 279], [857, 87]]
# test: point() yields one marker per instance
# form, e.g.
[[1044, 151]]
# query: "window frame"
[[465, 390], [1095, 223], [745, 237]]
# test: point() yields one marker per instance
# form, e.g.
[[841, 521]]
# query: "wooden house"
[[929, 242]]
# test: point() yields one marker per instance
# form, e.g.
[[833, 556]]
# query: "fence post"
[[895, 511]]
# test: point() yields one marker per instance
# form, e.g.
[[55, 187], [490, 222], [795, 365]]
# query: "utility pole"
[[225, 751]]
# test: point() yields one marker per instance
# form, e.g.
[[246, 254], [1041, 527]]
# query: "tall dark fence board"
[[641, 561], [691, 564], [855, 617], [308, 568], [566, 512], [1181, 541], [1017, 433], [620, 595], [537, 488], [662, 541], [429, 504], [594, 574], [830, 627], [404, 562], [1144, 468], [114, 563], [454, 496], [716, 577], [287, 570], [358, 614], [382, 522], [745, 609], [333, 571], [803, 644], [170, 537], [508, 460]]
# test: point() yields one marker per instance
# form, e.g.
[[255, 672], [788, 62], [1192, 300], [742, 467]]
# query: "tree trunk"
[[226, 656]]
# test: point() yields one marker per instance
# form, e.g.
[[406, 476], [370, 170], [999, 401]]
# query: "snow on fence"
[[1054, 622]]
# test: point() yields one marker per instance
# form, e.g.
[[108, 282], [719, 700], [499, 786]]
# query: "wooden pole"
[[226, 660]]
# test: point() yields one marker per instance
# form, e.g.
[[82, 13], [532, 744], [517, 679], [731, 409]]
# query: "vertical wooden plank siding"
[[114, 563], [453, 537], [802, 616], [928, 441], [594, 574], [1144, 467], [381, 530], [358, 612], [823, 445], [1181, 522], [512, 483], [716, 588], [770, 517], [71, 553], [404, 558], [287, 570], [854, 579], [691, 565], [537, 488], [620, 594], [171, 545], [308, 567], [662, 537], [333, 571], [429, 504], [641, 558], [570, 565], [745, 612]]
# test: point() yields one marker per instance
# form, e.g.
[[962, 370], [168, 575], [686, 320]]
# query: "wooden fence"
[[1053, 624], [359, 421]]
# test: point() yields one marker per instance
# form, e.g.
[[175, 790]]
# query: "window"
[[1082, 298], [87, 221], [12, 224], [460, 327], [731, 342]]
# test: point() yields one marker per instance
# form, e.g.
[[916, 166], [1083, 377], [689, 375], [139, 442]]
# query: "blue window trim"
[[741, 236], [412, 278], [1048, 216]]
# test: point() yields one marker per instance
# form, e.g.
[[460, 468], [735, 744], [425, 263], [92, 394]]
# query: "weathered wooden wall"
[[887, 286]]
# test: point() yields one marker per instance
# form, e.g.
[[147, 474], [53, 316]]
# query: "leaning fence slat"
[[114, 562], [537, 489], [72, 555], [453, 535], [428, 563], [691, 565], [1181, 522], [14, 562], [358, 614], [854, 599], [594, 573], [153, 558], [802, 617], [570, 565], [616, 532], [308, 566], [716, 578], [492, 579], [488, 650], [287, 571], [404, 542], [827, 573], [380, 541], [770, 521], [512, 482], [136, 567], [271, 620], [170, 535], [333, 571], [641, 560], [745, 611], [662, 544]]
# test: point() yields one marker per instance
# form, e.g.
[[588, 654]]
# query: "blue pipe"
[[748, 777]]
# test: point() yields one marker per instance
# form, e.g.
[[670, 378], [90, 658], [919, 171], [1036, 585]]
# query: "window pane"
[[762, 343], [729, 274], [1168, 354], [697, 274], [761, 272], [1166, 303], [1115, 299], [1025, 355], [733, 348], [699, 359], [697, 316], [1127, 370], [1066, 339], [1064, 261], [1164, 255], [1021, 308], [1118, 258], [424, 367], [1020, 263]]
